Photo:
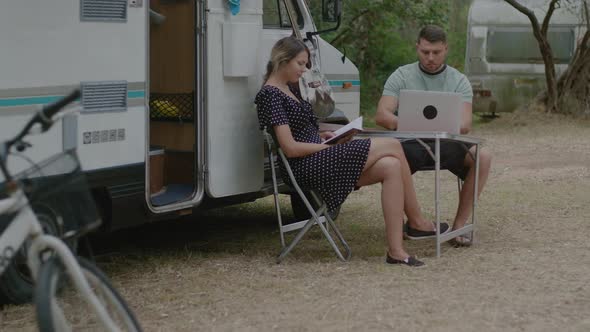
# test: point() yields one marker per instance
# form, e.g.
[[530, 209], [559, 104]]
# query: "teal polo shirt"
[[411, 77]]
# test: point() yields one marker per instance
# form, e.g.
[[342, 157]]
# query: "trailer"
[[503, 61]]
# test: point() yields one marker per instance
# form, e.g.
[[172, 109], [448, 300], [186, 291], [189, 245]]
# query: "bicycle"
[[58, 180]]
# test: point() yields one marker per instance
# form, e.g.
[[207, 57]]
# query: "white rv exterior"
[[122, 61], [168, 122], [503, 60]]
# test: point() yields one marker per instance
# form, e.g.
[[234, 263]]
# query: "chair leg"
[[286, 250], [326, 231], [276, 192], [316, 218], [319, 216]]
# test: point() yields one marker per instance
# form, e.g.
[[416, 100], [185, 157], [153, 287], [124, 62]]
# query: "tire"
[[300, 210], [16, 283], [55, 293]]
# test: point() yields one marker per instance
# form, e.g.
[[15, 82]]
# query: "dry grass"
[[528, 272]]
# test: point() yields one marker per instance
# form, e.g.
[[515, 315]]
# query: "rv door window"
[[275, 15], [502, 40]]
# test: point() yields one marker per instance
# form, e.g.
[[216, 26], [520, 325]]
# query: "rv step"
[[172, 193]]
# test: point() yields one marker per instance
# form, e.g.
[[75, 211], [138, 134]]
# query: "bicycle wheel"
[[60, 307], [16, 283]]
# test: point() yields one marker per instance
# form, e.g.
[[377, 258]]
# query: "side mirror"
[[331, 10]]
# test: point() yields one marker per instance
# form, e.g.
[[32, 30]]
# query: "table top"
[[420, 135]]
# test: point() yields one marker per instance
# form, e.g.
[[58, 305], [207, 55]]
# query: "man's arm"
[[384, 116], [466, 118]]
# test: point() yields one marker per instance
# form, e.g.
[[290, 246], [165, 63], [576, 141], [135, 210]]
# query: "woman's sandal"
[[461, 241], [409, 261]]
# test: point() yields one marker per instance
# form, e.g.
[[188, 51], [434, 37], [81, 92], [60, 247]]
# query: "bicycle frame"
[[25, 225]]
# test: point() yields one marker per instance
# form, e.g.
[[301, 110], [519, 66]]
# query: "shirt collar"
[[442, 68]]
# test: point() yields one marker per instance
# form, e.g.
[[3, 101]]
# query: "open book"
[[352, 128]]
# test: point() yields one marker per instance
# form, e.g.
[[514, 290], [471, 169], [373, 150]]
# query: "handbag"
[[313, 85]]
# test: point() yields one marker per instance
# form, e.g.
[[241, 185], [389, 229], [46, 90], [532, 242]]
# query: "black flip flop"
[[410, 261], [416, 234]]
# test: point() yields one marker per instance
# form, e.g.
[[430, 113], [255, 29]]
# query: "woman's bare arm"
[[292, 148]]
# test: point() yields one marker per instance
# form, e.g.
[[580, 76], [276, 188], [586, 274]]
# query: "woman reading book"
[[333, 170]]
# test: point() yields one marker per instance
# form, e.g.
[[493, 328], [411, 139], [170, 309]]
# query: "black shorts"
[[452, 156]]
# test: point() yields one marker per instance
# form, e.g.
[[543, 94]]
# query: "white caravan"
[[503, 61], [168, 122]]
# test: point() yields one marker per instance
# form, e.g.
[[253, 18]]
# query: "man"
[[431, 73]]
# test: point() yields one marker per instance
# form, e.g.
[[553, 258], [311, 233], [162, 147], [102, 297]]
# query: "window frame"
[[493, 57], [283, 14]]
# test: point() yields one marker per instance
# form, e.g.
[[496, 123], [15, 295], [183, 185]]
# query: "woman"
[[335, 170]]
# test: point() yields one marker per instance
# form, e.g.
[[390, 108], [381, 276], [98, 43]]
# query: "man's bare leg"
[[464, 208]]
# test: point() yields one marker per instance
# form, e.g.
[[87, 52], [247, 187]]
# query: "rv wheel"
[[300, 211], [16, 283]]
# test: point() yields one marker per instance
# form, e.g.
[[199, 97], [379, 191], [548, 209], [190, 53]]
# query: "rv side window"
[[275, 15], [502, 41]]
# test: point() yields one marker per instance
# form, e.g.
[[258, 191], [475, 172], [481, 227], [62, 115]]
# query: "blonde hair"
[[284, 51]]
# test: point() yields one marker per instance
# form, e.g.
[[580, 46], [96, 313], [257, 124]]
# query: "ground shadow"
[[230, 229]]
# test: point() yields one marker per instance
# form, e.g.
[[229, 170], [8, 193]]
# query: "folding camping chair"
[[319, 216]]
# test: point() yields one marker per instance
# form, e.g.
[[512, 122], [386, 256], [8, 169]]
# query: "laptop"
[[429, 111]]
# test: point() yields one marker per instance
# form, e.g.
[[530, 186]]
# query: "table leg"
[[475, 190], [437, 193]]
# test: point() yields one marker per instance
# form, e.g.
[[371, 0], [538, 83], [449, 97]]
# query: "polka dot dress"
[[334, 171]]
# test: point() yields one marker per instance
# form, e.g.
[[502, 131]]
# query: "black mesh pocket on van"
[[171, 106]]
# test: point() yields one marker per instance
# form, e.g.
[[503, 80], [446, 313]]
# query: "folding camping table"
[[438, 137]]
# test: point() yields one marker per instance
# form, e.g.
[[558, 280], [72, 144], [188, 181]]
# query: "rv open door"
[[174, 175], [235, 157]]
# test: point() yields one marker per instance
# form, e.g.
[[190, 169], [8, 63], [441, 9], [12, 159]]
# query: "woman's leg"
[[391, 147], [387, 170]]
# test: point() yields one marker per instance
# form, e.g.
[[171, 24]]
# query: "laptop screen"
[[429, 111]]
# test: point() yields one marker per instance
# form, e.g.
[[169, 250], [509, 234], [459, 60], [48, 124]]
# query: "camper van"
[[167, 122], [503, 61]]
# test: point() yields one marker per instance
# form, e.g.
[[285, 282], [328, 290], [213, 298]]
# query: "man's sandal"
[[461, 241]]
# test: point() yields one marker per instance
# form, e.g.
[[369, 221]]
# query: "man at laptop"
[[431, 73]]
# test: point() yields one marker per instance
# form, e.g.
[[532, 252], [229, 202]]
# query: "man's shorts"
[[452, 156]]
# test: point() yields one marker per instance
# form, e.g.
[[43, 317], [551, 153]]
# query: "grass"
[[528, 272]]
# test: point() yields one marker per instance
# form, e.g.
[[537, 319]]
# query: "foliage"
[[379, 35]]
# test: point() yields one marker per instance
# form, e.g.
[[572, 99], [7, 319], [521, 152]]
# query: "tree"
[[378, 36], [571, 92]]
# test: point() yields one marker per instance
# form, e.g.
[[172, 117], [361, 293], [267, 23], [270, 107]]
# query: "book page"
[[356, 124]]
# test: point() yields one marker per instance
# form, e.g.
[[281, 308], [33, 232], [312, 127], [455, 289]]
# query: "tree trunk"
[[550, 76], [540, 33], [574, 84]]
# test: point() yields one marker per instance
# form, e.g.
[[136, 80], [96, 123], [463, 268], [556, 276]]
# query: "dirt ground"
[[529, 270]]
